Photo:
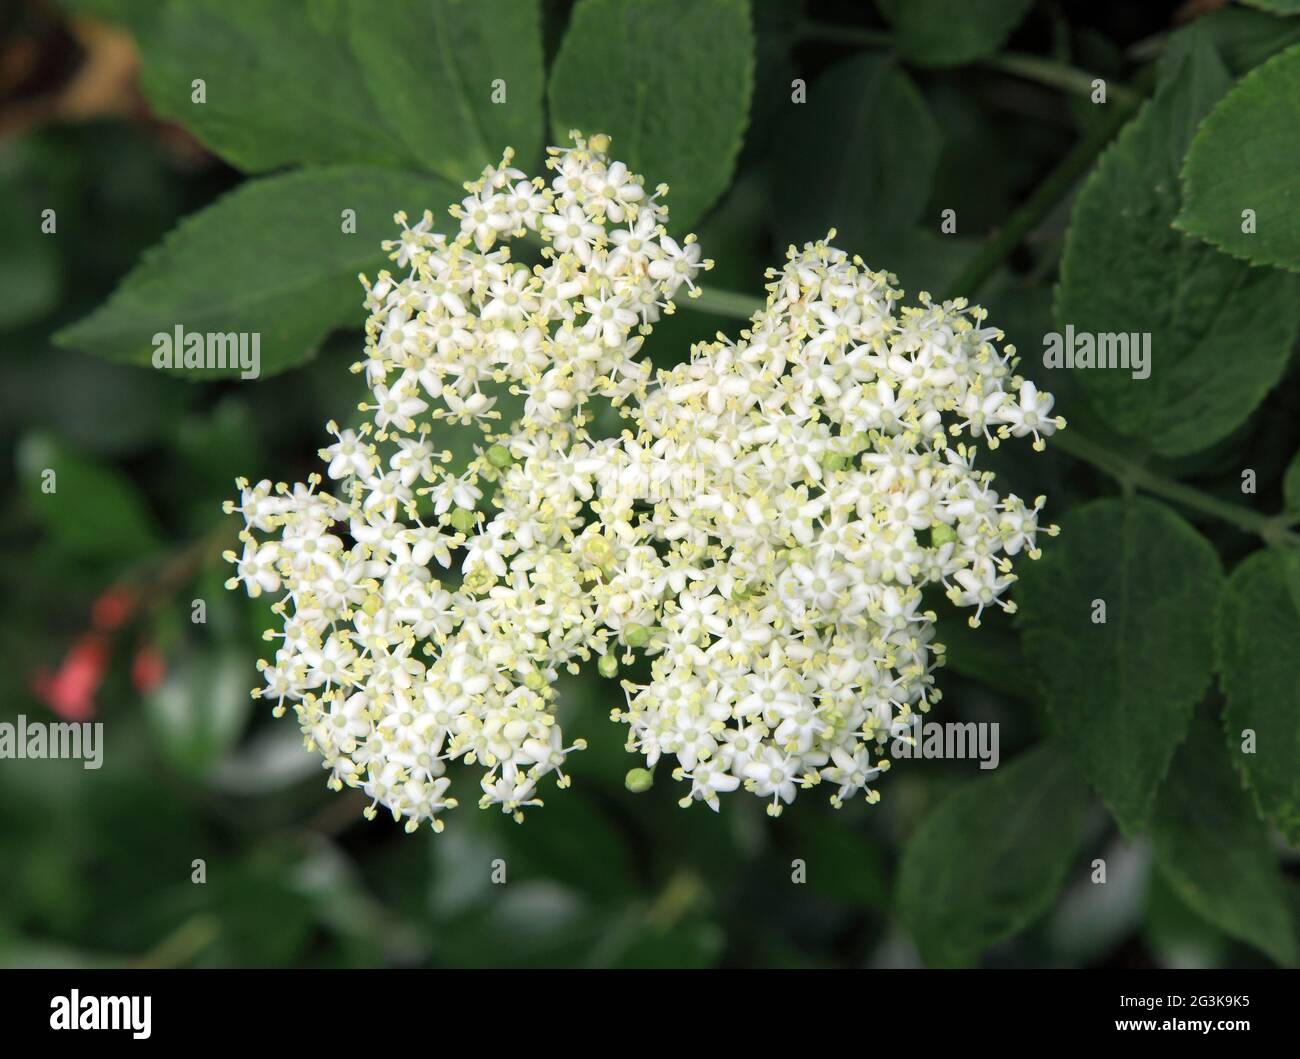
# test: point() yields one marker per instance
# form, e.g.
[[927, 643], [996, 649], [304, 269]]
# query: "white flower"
[[762, 528]]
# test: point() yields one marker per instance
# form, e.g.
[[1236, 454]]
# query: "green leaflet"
[[329, 82], [1122, 692], [1220, 332], [992, 857], [436, 67], [1215, 853], [670, 81], [1245, 157], [1259, 664], [271, 258], [280, 83]]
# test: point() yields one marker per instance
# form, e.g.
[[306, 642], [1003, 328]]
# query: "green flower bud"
[[608, 666], [941, 533], [638, 781], [463, 519], [499, 456], [636, 635]]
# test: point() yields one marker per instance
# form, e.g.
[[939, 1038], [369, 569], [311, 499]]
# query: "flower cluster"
[[783, 503], [762, 529]]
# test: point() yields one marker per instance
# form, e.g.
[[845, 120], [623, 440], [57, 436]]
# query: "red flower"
[[70, 692]]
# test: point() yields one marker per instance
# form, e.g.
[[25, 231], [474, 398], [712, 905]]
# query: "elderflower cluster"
[[761, 530], [811, 495]]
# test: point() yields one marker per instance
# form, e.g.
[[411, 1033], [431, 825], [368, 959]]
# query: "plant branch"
[[1273, 529]]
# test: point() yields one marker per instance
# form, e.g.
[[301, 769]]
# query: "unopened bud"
[[638, 781]]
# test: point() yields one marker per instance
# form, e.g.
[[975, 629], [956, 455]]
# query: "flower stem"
[[727, 303], [1055, 74]]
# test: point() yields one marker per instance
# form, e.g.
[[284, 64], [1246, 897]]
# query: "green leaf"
[[1245, 156], [280, 83], [951, 32], [860, 157], [435, 64], [1220, 331], [270, 258], [1214, 852], [1259, 666], [992, 857], [670, 81], [1122, 692], [94, 511]]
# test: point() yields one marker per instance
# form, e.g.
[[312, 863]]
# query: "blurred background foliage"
[[954, 865]]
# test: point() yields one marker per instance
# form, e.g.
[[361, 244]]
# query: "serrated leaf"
[[670, 81], [281, 85], [1259, 667], [1245, 156], [1122, 692], [951, 32], [992, 856], [436, 64], [270, 258], [1220, 332], [1214, 852]]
